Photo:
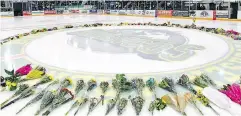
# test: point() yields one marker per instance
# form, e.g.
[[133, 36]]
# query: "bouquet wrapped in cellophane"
[[137, 103], [121, 105], [200, 82], [151, 84], [21, 88], [39, 96], [46, 101], [104, 86], [167, 84], [184, 82], [138, 84], [25, 94], [61, 98]]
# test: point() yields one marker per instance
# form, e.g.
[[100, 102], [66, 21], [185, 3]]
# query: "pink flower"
[[233, 32], [24, 70], [233, 92]]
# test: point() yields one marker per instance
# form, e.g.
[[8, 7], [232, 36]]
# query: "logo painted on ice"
[[162, 45]]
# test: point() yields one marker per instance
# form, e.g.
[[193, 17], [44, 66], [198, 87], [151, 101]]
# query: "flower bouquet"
[[43, 30], [35, 73], [43, 80], [78, 103], [62, 97], [55, 28], [46, 101], [151, 84], [158, 104], [65, 83], [137, 103], [68, 26], [79, 86], [14, 77], [233, 92], [104, 86], [200, 82], [21, 88], [22, 96], [121, 105], [138, 84], [34, 31], [168, 85], [184, 82], [110, 105], [93, 103], [204, 101], [39, 96], [91, 84], [121, 84], [81, 102], [207, 79], [152, 107], [191, 98], [178, 102]]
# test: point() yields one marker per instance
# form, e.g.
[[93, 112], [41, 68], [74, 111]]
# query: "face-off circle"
[[128, 49]]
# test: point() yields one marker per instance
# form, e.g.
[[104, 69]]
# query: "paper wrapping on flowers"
[[178, 102], [36, 73]]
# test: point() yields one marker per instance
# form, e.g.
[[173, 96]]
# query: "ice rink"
[[138, 51]]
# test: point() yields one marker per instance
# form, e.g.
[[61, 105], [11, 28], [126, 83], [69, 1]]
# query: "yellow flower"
[[51, 77], [54, 91], [14, 84], [70, 80], [163, 101], [93, 80], [20, 35], [8, 83], [34, 74]]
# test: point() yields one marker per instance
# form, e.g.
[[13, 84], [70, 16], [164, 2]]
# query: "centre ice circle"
[[127, 49]]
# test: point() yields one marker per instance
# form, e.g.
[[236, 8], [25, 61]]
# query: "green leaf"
[[11, 73]]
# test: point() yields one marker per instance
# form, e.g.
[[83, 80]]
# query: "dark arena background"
[[120, 57]]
